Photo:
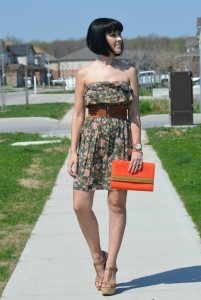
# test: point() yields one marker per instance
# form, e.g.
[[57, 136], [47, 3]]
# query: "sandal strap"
[[100, 262], [110, 269]]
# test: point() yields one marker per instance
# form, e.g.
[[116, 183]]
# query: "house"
[[48, 61], [23, 55], [71, 63], [17, 60], [15, 74]]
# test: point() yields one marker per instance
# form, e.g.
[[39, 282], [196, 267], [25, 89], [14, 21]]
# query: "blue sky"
[[48, 20]]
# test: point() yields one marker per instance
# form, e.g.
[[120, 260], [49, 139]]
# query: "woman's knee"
[[117, 202], [82, 202]]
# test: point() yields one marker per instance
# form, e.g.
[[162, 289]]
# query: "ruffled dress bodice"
[[114, 92]]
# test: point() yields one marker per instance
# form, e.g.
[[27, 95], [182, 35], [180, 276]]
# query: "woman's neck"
[[106, 60]]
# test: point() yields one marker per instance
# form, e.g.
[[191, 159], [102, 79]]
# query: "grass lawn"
[[28, 175], [49, 110], [57, 92], [157, 106], [180, 152]]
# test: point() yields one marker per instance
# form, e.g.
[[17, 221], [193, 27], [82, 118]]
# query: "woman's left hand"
[[136, 162]]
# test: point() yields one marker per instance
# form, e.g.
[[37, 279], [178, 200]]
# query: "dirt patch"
[[61, 148], [31, 183], [35, 167], [161, 133], [17, 236]]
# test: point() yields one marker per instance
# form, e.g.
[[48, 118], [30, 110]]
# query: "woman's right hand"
[[72, 165]]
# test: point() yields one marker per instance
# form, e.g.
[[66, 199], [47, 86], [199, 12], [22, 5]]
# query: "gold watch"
[[137, 147]]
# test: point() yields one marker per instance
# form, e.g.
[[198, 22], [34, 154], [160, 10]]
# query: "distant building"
[[71, 63], [48, 61], [16, 58], [190, 60]]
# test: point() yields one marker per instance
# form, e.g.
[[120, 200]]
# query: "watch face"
[[137, 146]]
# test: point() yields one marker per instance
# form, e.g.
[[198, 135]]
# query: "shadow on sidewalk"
[[183, 275]]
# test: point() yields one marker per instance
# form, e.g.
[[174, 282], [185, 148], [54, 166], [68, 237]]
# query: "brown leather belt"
[[108, 110]]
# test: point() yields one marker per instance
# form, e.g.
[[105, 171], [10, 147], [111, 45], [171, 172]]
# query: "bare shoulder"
[[133, 79], [83, 72], [132, 71]]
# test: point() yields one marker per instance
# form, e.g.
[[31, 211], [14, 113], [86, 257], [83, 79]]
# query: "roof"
[[15, 66], [35, 67], [47, 55], [82, 54], [23, 49], [86, 54], [38, 50]]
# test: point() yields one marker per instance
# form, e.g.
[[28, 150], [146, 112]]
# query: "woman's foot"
[[100, 268], [109, 282]]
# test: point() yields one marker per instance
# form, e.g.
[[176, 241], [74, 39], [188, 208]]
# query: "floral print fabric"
[[108, 92], [103, 139]]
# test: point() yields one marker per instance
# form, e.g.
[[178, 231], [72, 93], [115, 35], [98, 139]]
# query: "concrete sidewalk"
[[160, 258]]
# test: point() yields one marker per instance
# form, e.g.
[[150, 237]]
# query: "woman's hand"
[[136, 162], [72, 165]]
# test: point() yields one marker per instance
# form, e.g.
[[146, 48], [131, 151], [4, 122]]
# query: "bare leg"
[[117, 223], [82, 204]]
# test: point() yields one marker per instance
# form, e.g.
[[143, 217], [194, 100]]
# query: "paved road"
[[18, 98]]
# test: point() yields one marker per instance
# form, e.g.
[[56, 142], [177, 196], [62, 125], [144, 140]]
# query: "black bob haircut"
[[96, 35]]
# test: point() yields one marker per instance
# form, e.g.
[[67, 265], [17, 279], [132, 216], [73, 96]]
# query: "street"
[[18, 98]]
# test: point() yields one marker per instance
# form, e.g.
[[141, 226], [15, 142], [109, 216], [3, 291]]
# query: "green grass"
[[57, 92], [180, 153], [27, 178], [145, 92], [49, 110], [148, 107]]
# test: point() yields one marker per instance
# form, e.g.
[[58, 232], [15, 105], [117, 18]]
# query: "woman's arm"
[[134, 116], [77, 121]]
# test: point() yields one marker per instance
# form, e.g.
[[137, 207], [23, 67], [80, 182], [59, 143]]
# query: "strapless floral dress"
[[103, 139]]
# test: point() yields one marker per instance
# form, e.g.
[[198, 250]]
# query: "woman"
[[111, 130]]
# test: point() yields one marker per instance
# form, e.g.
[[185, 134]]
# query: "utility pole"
[[3, 98], [26, 78], [199, 37], [48, 72], [26, 86]]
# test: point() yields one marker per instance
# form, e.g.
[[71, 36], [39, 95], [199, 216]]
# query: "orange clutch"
[[121, 179]]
